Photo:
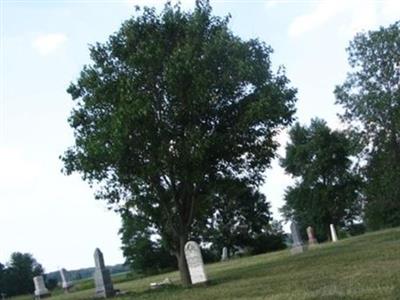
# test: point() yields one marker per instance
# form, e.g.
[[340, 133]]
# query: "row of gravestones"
[[102, 278], [298, 246]]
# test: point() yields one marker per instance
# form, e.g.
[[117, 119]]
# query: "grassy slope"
[[364, 267]]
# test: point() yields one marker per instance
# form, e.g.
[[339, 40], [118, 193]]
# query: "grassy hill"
[[363, 267]]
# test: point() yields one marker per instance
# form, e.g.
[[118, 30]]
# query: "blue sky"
[[44, 45]]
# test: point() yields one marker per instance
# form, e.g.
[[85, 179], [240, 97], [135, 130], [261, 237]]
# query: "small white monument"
[[333, 234], [40, 289], [195, 262], [65, 284], [311, 236], [224, 255]]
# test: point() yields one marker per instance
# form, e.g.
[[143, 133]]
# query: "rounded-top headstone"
[[195, 262]]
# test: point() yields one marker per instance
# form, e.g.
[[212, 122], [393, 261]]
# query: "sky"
[[43, 47]]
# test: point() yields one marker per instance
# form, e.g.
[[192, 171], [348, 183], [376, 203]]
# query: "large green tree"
[[326, 189], [171, 103], [370, 97]]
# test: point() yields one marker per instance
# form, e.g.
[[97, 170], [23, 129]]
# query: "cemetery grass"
[[362, 267]]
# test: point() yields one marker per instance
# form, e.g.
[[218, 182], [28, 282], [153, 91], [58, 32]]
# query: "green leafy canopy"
[[172, 102]]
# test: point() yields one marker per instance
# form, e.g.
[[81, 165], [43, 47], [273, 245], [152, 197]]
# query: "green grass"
[[363, 267]]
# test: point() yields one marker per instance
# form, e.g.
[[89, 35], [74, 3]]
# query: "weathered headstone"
[[297, 246], [195, 262], [65, 284], [224, 255], [102, 278], [311, 236], [333, 233], [40, 289]]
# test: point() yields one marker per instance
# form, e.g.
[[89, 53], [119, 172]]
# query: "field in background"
[[363, 267]]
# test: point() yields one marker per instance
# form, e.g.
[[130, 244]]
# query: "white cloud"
[[48, 43], [323, 12], [360, 15]]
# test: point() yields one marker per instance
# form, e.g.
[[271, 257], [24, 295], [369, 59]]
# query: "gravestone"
[[297, 246], [224, 255], [195, 262], [65, 284], [102, 278], [311, 236], [333, 234], [40, 289]]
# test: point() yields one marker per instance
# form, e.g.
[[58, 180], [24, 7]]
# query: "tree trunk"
[[182, 264]]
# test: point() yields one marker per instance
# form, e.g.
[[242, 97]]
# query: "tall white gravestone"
[[65, 284], [195, 262], [297, 246], [102, 278], [40, 289], [333, 233], [224, 255]]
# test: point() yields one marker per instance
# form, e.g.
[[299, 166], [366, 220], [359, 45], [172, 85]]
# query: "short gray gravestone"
[[311, 236], [333, 233], [65, 284], [195, 262], [40, 289], [102, 278], [297, 246], [224, 255]]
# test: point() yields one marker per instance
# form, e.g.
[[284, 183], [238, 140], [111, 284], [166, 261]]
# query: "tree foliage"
[[240, 218], [326, 190], [142, 248], [370, 97], [171, 103], [17, 277]]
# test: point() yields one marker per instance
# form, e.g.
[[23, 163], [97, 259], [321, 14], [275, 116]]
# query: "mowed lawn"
[[363, 267]]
